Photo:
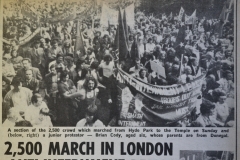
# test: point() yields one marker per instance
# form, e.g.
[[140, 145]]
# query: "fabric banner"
[[108, 16], [65, 17], [30, 37], [160, 104], [27, 39], [130, 15]]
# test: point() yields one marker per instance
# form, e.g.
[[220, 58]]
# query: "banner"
[[63, 18], [108, 16], [130, 15], [159, 104], [27, 39], [111, 16]]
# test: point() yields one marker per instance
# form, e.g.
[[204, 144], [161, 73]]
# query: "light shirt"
[[107, 69], [82, 123], [20, 99], [34, 116], [222, 112]]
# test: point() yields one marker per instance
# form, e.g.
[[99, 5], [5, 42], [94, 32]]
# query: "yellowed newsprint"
[[119, 79]]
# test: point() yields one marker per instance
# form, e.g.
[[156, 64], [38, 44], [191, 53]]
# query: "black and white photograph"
[[120, 63], [206, 155]]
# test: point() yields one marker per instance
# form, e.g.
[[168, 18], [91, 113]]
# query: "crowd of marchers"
[[49, 83]]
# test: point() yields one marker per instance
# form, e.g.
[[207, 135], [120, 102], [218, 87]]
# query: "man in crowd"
[[27, 66], [30, 82]]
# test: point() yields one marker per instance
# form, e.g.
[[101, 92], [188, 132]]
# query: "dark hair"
[[94, 114], [90, 78], [59, 55], [84, 73], [35, 97], [218, 93], [27, 59], [94, 65], [63, 75], [79, 63], [23, 123], [141, 70], [16, 81], [52, 66], [206, 106], [107, 57]]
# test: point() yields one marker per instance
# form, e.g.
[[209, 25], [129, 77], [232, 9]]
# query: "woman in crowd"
[[88, 95], [204, 119], [66, 111]]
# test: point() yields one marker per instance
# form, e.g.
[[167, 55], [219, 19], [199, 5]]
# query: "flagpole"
[[180, 68], [229, 7]]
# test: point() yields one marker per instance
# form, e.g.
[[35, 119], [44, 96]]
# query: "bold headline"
[[107, 148]]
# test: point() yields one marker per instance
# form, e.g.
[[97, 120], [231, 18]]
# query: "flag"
[[130, 15], [123, 47], [116, 40], [181, 35], [125, 26], [190, 19], [180, 15], [79, 45], [135, 50], [223, 13]]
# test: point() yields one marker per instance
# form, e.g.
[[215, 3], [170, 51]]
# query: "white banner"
[[130, 15], [109, 16]]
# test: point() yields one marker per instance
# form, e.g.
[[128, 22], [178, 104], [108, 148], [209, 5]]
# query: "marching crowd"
[[51, 84]]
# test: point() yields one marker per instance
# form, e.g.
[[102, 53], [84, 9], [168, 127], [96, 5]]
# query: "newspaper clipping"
[[118, 79]]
